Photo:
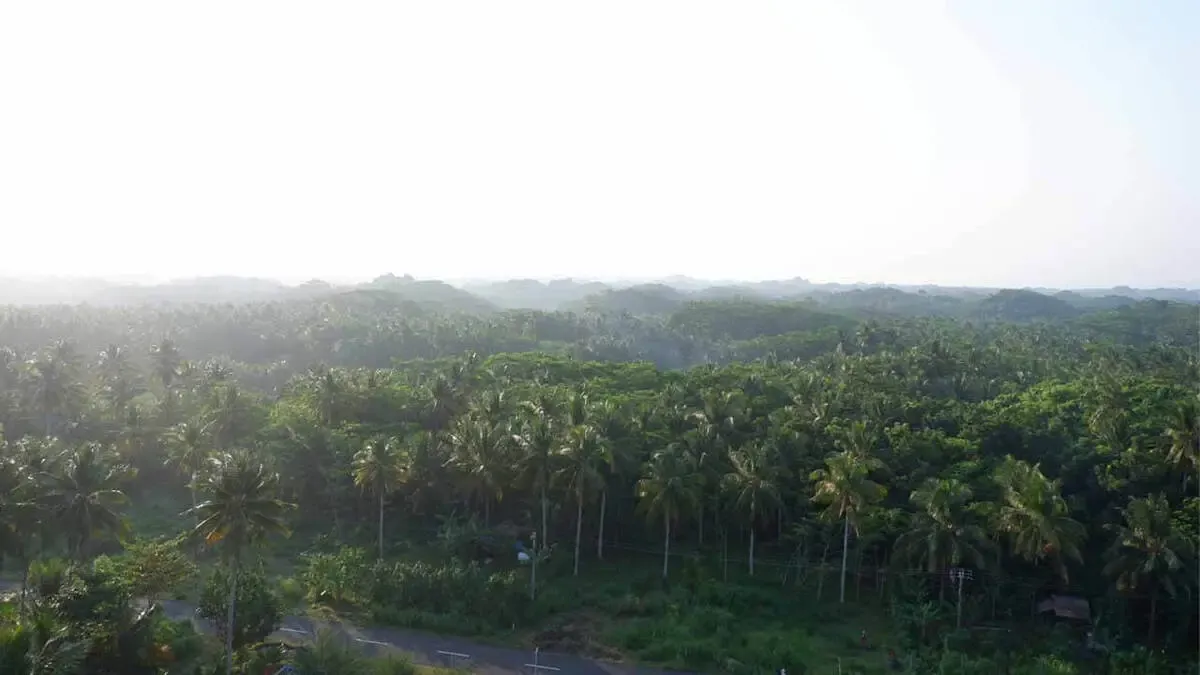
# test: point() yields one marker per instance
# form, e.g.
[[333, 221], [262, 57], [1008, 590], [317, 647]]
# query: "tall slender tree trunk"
[[487, 511], [545, 517], [381, 524], [845, 557], [196, 516], [958, 608], [1153, 614], [24, 593], [666, 542], [751, 556], [600, 533], [858, 559], [821, 571], [701, 520], [724, 554], [751, 551], [578, 527], [231, 613]]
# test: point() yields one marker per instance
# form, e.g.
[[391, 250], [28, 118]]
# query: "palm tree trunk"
[[230, 615], [701, 520], [600, 534], [545, 510], [724, 554], [751, 557], [858, 558], [666, 542], [24, 593], [195, 502], [821, 571], [845, 556], [578, 527], [487, 511], [1153, 613], [381, 524], [751, 551]]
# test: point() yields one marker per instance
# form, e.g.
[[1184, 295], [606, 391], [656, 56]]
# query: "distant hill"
[[533, 294], [659, 298], [891, 302], [430, 293], [1023, 305], [745, 320], [1094, 302], [637, 300]]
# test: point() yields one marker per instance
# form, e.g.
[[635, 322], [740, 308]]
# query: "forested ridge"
[[722, 482]]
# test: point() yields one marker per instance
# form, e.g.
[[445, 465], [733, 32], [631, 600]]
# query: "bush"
[[453, 589], [343, 576], [257, 613], [393, 665], [150, 569]]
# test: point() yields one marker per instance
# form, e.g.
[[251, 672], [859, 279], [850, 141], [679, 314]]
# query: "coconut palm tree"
[[1035, 517], [846, 491], [612, 425], [1149, 550], [20, 516], [536, 442], [941, 533], [753, 482], [84, 496], [380, 467], [716, 423], [584, 456], [187, 449], [55, 389], [116, 379], [166, 361], [1182, 438], [478, 452], [669, 488], [328, 390], [225, 415], [241, 508]]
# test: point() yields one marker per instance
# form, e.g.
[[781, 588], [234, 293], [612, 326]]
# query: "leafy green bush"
[[258, 611], [150, 569], [343, 576], [400, 593]]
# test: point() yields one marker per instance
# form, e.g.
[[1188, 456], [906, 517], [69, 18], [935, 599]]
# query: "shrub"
[[452, 589], [342, 576], [258, 611]]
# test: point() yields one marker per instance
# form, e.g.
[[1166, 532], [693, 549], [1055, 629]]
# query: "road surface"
[[430, 649]]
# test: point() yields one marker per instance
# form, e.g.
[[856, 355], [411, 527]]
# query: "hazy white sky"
[[992, 143]]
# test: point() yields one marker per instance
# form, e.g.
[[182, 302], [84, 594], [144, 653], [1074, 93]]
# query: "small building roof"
[[1067, 607]]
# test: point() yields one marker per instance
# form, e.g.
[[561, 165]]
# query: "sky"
[[982, 143]]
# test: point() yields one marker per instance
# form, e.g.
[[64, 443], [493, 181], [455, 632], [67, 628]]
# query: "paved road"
[[432, 649]]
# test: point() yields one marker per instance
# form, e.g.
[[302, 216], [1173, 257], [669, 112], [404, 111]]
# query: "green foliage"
[[1034, 439], [330, 654], [150, 569], [258, 608], [424, 595], [341, 577]]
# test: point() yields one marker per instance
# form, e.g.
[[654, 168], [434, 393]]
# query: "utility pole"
[[960, 575]]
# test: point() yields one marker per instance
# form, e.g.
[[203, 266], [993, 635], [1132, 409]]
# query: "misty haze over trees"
[[739, 451]]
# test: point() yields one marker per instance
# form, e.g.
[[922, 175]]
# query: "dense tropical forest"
[[721, 479]]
